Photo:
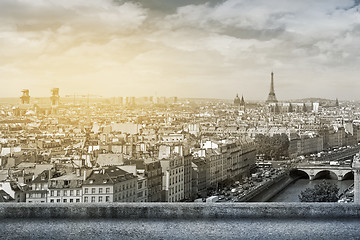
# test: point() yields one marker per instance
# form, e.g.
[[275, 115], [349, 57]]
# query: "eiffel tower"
[[272, 97]]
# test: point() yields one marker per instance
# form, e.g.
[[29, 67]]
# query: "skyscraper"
[[272, 96]]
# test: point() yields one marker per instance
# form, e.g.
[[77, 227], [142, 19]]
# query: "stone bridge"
[[335, 172]]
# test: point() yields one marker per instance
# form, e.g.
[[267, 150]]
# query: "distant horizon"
[[83, 96]]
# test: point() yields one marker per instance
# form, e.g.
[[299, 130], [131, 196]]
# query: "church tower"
[[242, 104], [272, 96], [237, 100]]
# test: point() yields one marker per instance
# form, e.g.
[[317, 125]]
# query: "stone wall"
[[180, 210]]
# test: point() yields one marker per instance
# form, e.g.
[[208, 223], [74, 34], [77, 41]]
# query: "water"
[[291, 193]]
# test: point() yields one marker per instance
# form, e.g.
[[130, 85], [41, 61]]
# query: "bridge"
[[333, 172]]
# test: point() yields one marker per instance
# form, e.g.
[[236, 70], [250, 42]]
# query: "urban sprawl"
[[75, 149]]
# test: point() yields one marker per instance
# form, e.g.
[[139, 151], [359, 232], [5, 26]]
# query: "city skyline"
[[192, 49]]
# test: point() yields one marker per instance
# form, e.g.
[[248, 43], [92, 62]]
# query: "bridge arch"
[[348, 176], [326, 174], [296, 173]]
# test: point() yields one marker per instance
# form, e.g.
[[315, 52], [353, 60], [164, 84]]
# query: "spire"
[[242, 101], [272, 96]]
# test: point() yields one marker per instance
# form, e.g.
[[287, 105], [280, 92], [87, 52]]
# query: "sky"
[[198, 48]]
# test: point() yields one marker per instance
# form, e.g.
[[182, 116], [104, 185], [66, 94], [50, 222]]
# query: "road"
[[179, 229]]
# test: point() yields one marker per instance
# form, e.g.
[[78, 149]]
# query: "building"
[[199, 178], [142, 185], [237, 100], [173, 179], [110, 184], [187, 176], [25, 98], [14, 190], [142, 189], [67, 188], [38, 192], [55, 97], [215, 163], [153, 173]]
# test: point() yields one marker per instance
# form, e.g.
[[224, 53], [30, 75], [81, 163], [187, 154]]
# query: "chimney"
[[78, 173], [84, 174]]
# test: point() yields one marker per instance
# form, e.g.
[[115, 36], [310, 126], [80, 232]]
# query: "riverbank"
[[272, 190], [269, 189]]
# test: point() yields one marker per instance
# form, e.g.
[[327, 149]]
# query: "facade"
[[110, 184], [199, 178], [305, 145], [66, 188], [240, 160], [153, 174], [187, 176], [215, 163], [173, 179], [38, 192], [142, 189]]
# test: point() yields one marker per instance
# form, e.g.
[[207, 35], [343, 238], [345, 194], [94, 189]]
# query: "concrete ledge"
[[180, 210]]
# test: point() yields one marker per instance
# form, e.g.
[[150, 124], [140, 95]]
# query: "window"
[[77, 192], [93, 199], [65, 192], [93, 190], [71, 192], [86, 199], [107, 198], [71, 200], [86, 190], [107, 190], [77, 200], [65, 200], [52, 193], [100, 198], [57, 200], [51, 200], [100, 190], [58, 193]]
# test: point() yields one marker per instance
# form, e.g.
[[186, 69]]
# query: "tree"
[[272, 147], [322, 192]]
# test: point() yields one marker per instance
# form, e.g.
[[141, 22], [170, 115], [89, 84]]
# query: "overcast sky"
[[184, 48]]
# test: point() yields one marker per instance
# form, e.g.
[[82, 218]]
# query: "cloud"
[[179, 47]]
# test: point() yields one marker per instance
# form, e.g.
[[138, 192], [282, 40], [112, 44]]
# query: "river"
[[291, 192]]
